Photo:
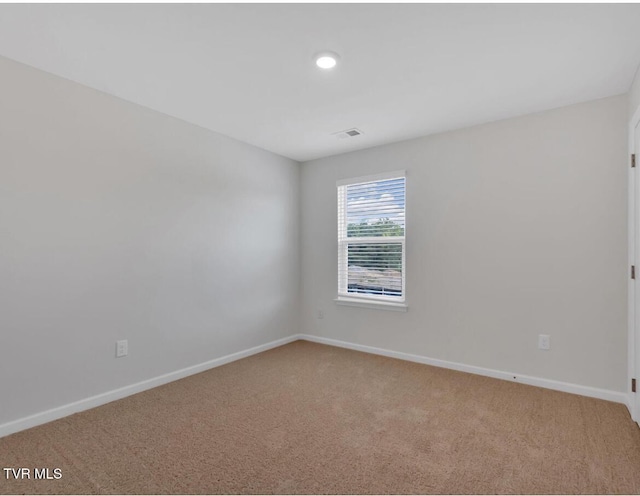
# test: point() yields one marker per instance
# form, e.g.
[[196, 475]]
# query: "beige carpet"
[[307, 418]]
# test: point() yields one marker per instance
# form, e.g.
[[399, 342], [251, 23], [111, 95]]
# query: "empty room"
[[319, 248]]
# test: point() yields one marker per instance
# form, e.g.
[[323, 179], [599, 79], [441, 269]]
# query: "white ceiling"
[[246, 70]]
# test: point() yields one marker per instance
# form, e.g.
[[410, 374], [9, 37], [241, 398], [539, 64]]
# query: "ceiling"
[[247, 71]]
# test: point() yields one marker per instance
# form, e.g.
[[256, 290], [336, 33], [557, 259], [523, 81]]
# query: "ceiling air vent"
[[349, 133]]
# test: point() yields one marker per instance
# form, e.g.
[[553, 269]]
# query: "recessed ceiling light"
[[327, 60]]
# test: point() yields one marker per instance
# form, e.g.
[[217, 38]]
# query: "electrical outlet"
[[122, 348], [544, 341]]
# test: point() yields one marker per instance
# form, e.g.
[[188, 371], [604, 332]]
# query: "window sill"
[[378, 305]]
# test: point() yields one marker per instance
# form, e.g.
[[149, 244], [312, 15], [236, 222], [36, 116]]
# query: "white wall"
[[117, 222], [514, 228]]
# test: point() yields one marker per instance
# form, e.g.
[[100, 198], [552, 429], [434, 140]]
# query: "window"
[[371, 239]]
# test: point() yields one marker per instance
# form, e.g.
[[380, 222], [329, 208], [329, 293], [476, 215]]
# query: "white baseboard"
[[603, 394], [116, 394], [628, 403]]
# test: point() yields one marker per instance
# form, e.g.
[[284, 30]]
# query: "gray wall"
[[514, 228], [117, 222], [634, 94]]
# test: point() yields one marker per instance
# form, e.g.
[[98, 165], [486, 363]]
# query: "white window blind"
[[371, 237]]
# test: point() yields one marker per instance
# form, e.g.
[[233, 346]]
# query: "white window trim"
[[373, 177], [376, 302], [370, 303]]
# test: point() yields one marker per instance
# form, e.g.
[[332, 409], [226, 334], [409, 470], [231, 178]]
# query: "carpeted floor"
[[308, 418]]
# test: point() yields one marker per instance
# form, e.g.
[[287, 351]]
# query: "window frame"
[[387, 302]]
